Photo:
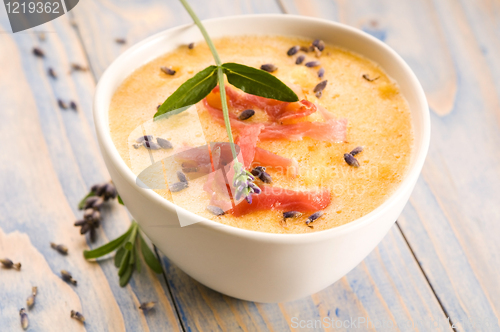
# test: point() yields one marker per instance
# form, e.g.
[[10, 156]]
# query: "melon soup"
[[338, 153]]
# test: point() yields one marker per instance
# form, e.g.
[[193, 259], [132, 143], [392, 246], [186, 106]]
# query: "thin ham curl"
[[332, 130], [276, 110]]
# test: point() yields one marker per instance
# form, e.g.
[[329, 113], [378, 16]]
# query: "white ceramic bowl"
[[245, 264]]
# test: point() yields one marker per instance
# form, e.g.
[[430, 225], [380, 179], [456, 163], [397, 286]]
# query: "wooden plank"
[[387, 285], [396, 22], [49, 162], [100, 22], [451, 222], [386, 288]]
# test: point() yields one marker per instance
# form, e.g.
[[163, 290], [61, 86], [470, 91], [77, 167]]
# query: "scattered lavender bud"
[[319, 44], [146, 306], [96, 188], [168, 71], [85, 228], [321, 72], [246, 114], [158, 107], [24, 318], [30, 301], [62, 104], [314, 217], [265, 177], [291, 214], [293, 50], [300, 59], [80, 222], [191, 46], [366, 77], [319, 94], [96, 216], [109, 191], [178, 186], [350, 160], [320, 86], [151, 145], [260, 172], [88, 213], [52, 73], [190, 169], [257, 171], [78, 316], [66, 276], [38, 52], [165, 144], [269, 67], [8, 264], [215, 210], [120, 41], [356, 151], [61, 248], [144, 138], [94, 202], [77, 67], [304, 49], [73, 106], [182, 177], [312, 64]]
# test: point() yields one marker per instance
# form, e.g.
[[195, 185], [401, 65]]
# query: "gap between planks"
[[426, 278]]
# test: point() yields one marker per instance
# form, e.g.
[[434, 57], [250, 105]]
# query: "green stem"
[[220, 73], [225, 110]]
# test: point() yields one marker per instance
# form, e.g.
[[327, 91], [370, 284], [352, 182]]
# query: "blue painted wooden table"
[[437, 269]]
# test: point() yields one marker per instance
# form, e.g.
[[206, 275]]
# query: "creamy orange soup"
[[378, 120]]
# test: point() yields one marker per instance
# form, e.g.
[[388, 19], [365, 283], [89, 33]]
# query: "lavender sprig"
[[243, 182]]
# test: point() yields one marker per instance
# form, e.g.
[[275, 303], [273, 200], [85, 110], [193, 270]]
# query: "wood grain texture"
[[410, 27], [386, 288], [451, 222], [378, 289], [49, 163], [136, 20]]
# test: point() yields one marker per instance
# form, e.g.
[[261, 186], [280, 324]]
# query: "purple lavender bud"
[[311, 64], [350, 160], [356, 151], [293, 50], [314, 217]]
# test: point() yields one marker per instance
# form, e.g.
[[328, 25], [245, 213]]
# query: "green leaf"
[[258, 82], [191, 91], [149, 256], [137, 260], [107, 248], [124, 264], [82, 202], [119, 256], [129, 245], [120, 200], [125, 277]]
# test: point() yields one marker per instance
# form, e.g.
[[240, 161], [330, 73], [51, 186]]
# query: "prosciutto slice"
[[273, 198]]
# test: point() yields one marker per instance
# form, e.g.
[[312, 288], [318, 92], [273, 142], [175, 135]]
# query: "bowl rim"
[[100, 110]]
